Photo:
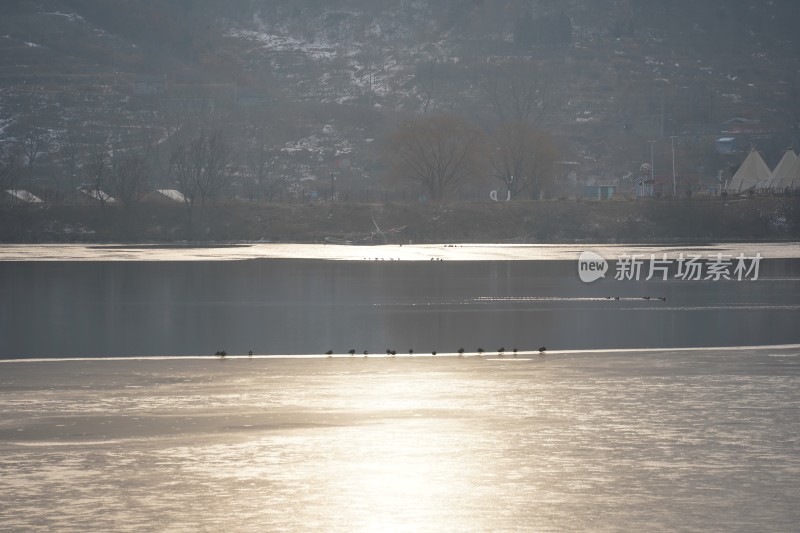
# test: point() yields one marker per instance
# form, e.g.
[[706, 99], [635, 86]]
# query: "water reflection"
[[408, 252], [52, 309], [690, 440]]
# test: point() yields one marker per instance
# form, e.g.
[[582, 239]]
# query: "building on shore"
[[19, 196], [751, 173], [786, 176]]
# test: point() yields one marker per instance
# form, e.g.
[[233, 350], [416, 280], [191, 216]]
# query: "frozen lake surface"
[[419, 252], [656, 440], [166, 300], [114, 418]]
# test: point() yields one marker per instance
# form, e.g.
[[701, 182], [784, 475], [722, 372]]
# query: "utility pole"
[[652, 162], [370, 83], [674, 178], [332, 186]]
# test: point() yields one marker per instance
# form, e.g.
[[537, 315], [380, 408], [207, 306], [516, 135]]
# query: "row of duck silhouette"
[[393, 353], [662, 298], [501, 352], [223, 353], [395, 259]]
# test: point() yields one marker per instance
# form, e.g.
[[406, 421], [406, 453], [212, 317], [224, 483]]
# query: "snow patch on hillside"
[[71, 17], [318, 146], [4, 123], [319, 51], [75, 18]]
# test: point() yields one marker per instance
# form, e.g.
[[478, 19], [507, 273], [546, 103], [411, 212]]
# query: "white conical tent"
[[782, 175], [752, 171], [792, 179]]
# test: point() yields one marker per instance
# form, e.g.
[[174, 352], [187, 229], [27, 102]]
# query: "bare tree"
[[440, 152], [517, 94], [151, 137], [10, 170], [429, 76], [262, 163], [522, 158], [98, 169], [71, 152], [129, 178], [33, 144], [199, 167]]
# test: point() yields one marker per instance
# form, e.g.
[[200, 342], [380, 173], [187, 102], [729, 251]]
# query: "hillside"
[[317, 85]]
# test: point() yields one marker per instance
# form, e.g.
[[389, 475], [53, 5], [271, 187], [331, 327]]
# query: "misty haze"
[[475, 265]]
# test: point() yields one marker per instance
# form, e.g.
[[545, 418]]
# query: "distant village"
[[733, 142], [308, 95]]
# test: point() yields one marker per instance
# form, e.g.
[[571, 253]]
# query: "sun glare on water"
[[404, 465], [384, 451], [604, 441]]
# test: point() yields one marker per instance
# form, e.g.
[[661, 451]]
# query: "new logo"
[[591, 267]]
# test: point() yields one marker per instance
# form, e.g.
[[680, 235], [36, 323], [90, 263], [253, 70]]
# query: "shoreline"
[[388, 252], [546, 221], [521, 355]]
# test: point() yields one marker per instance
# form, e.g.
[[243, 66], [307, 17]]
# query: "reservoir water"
[[672, 408], [151, 302]]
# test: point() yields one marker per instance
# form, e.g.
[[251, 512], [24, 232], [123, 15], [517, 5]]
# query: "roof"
[[172, 194], [24, 196], [740, 120], [752, 171], [782, 175], [792, 178], [98, 195]]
